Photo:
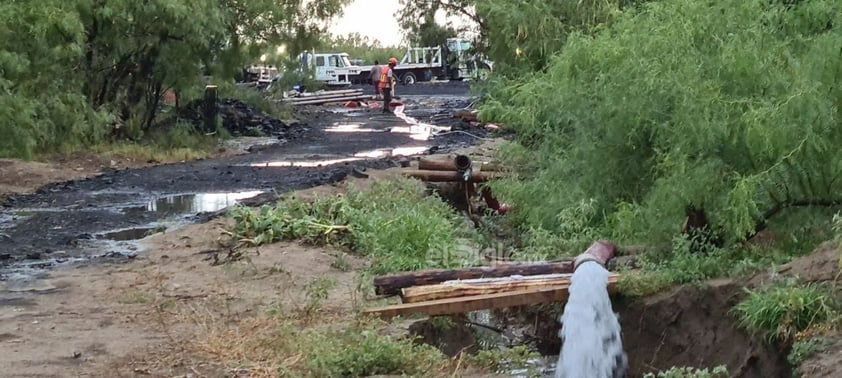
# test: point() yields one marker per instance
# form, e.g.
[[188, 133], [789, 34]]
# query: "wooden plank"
[[487, 286], [393, 283], [462, 305]]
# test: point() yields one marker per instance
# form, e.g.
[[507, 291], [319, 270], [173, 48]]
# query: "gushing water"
[[590, 332]]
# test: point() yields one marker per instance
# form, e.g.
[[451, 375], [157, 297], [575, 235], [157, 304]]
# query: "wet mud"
[[98, 217]]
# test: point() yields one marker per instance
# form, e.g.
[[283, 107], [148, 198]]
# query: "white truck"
[[332, 69], [452, 61]]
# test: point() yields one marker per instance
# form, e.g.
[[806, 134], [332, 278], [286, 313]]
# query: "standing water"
[[590, 331]]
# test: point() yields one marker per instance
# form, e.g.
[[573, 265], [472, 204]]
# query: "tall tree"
[[67, 61]]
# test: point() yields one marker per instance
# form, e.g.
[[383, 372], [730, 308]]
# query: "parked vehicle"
[[451, 61], [332, 69]]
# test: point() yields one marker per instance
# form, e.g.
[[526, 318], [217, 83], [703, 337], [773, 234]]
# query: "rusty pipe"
[[599, 252], [462, 162]]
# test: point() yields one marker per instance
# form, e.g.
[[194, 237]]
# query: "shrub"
[[725, 107]]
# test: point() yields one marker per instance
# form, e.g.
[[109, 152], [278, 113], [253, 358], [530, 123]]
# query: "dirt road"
[[99, 217]]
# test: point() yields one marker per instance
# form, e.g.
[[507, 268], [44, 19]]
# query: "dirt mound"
[[820, 266], [690, 326], [241, 119], [825, 364]]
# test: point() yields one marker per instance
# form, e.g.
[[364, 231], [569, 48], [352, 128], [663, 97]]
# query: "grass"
[[783, 311], [394, 223]]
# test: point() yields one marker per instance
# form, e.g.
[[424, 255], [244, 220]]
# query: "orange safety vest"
[[384, 77]]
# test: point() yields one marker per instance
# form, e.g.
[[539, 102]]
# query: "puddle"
[[372, 154], [398, 151], [304, 163], [351, 128], [246, 143], [198, 202]]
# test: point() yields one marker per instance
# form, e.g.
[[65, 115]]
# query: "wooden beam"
[[462, 305], [486, 286], [393, 283]]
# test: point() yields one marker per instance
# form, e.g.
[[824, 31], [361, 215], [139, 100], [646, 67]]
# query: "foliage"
[[365, 352], [394, 222], [688, 372], [804, 349], [781, 311], [72, 71], [723, 109], [363, 48], [523, 36], [419, 23]]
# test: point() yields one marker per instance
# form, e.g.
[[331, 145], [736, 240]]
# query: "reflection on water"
[[349, 128], [304, 163], [416, 131], [372, 154], [397, 151], [198, 202]]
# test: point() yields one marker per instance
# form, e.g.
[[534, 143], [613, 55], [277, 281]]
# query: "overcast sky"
[[374, 19]]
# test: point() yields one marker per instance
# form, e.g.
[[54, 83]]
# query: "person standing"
[[374, 77], [387, 83]]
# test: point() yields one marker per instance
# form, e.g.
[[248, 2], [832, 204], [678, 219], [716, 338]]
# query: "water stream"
[[590, 333]]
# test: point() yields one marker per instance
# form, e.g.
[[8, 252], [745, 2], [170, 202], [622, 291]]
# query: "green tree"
[[68, 65], [361, 47], [726, 113]]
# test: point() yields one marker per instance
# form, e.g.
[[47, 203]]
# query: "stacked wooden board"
[[432, 292]]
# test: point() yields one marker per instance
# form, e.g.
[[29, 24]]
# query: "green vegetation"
[[360, 47], [681, 125], [81, 73], [364, 352], [804, 349], [511, 359], [782, 311], [394, 223], [688, 372]]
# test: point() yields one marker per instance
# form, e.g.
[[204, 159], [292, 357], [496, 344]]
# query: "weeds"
[[317, 292], [782, 311], [804, 349], [688, 372], [394, 223]]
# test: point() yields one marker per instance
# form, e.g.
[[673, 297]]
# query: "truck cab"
[[463, 61], [333, 69]]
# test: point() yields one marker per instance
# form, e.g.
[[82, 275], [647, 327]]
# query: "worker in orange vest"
[[387, 84]]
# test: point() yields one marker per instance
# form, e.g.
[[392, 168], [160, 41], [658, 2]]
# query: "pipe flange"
[[585, 257]]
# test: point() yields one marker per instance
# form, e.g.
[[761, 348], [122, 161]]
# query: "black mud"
[[81, 219]]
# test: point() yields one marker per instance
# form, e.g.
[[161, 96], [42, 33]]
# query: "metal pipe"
[[462, 162], [599, 252]]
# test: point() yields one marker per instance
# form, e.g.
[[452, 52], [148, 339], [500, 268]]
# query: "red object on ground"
[[352, 104]]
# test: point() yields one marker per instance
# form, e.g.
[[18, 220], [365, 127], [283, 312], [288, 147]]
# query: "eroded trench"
[[687, 326]]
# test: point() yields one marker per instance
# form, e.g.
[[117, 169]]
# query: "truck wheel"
[[428, 75], [409, 78]]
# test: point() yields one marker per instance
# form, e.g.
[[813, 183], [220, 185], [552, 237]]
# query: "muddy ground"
[[91, 217]]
